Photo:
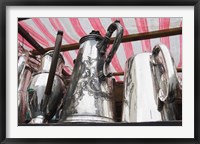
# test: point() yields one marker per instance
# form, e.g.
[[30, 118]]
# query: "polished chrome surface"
[[89, 97], [139, 103], [167, 81], [39, 103]]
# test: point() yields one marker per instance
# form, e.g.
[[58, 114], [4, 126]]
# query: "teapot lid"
[[94, 35]]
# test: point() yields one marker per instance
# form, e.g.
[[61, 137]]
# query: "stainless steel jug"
[[26, 66], [150, 87], [46, 89], [89, 96]]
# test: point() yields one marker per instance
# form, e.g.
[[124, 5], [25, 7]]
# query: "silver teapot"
[[46, 89], [89, 96]]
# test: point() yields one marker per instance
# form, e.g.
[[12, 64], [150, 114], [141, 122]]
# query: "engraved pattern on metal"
[[90, 90]]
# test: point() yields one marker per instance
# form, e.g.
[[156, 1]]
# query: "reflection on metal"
[[150, 87], [167, 82], [139, 96], [43, 107], [26, 66], [21, 64], [89, 96], [22, 105]]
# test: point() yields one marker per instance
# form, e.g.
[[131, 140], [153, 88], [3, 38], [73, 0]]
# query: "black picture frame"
[[5, 3]]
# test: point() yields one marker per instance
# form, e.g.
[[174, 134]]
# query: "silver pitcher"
[[89, 97], [168, 85], [139, 103], [26, 66], [150, 87], [46, 90]]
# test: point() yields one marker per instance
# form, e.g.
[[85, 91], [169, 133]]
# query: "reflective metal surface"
[[22, 105], [43, 107], [89, 97], [21, 64], [26, 66], [151, 85], [139, 103], [26, 59], [166, 80]]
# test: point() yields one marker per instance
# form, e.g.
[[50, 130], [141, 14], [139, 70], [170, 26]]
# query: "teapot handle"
[[114, 26]]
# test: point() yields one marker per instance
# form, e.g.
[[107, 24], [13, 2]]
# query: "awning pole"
[[128, 38], [30, 39]]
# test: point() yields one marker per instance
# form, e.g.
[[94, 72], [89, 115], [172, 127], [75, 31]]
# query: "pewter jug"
[[46, 89], [89, 96]]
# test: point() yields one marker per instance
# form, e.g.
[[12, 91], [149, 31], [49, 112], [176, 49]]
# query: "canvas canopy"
[[44, 31]]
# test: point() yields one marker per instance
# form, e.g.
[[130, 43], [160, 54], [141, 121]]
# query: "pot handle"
[[114, 26], [54, 63], [103, 45]]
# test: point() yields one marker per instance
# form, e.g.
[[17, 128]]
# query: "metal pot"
[[42, 107], [89, 96], [46, 89], [150, 87]]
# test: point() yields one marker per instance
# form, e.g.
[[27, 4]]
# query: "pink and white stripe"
[[164, 24], [31, 30], [115, 63], [128, 48], [142, 27], [44, 31], [24, 43]]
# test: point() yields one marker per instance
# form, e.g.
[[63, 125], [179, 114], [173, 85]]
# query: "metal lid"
[[94, 35]]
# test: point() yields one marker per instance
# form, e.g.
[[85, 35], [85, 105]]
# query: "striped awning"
[[44, 31]]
